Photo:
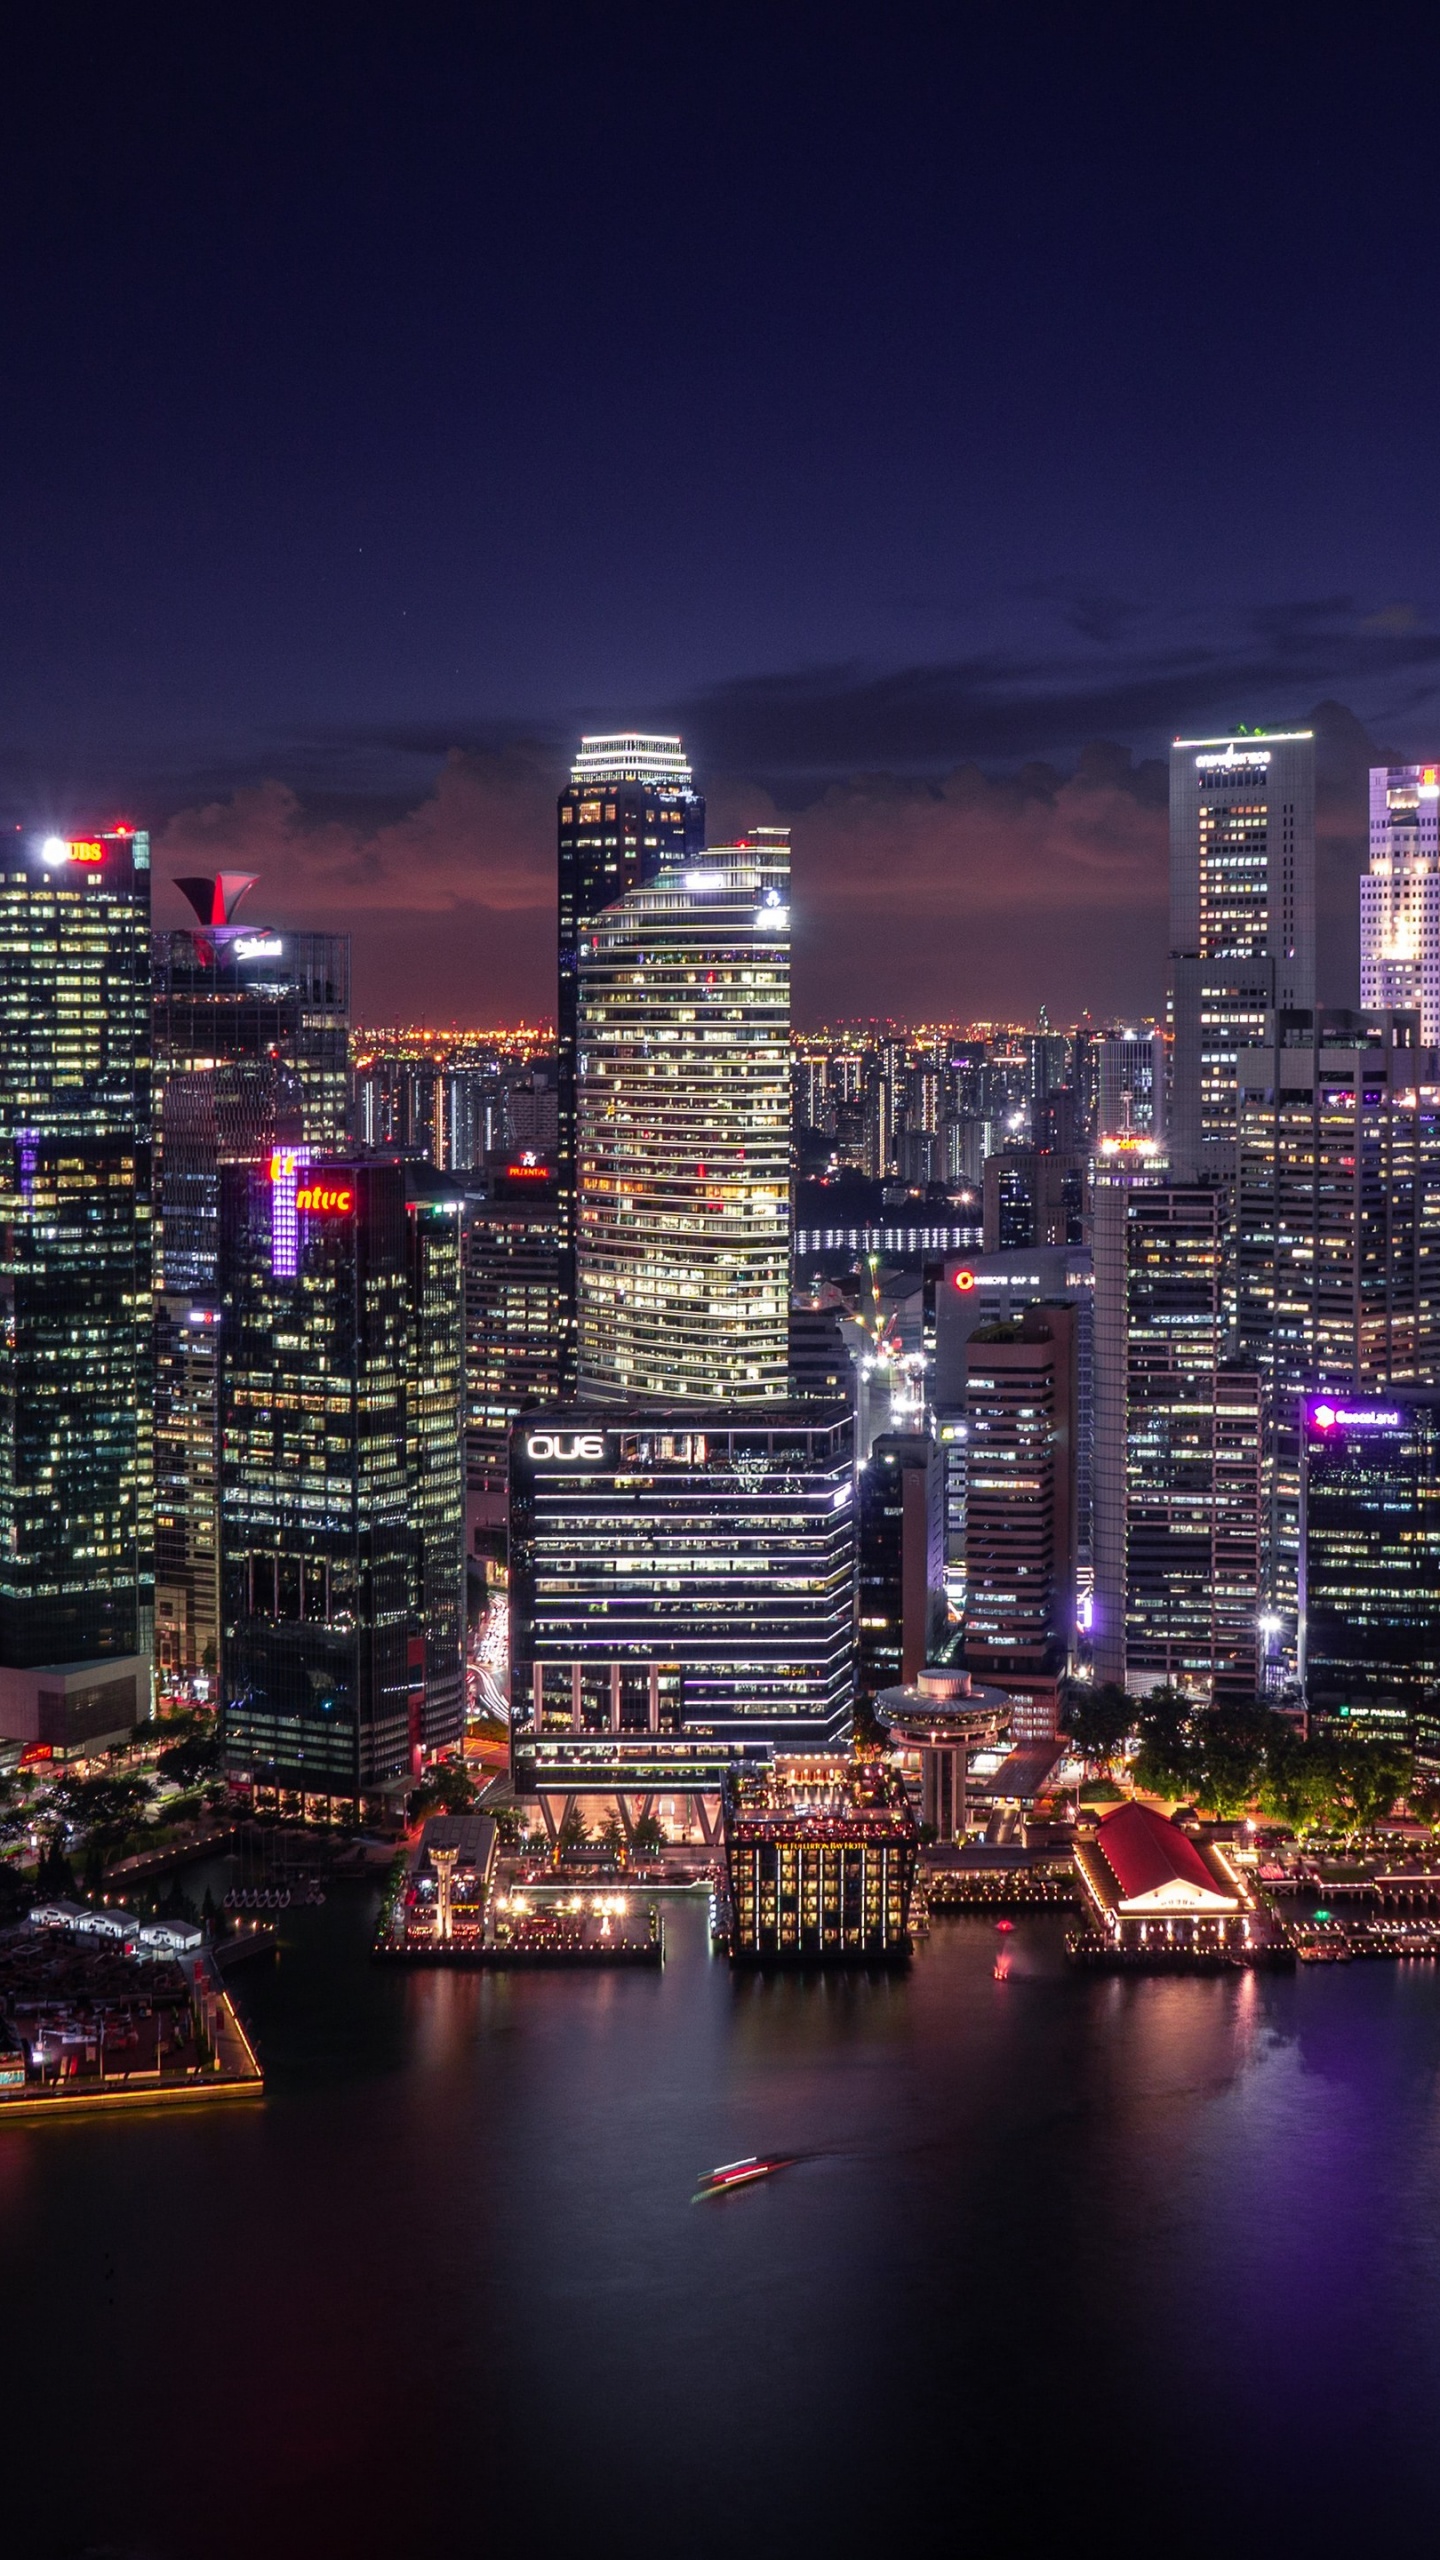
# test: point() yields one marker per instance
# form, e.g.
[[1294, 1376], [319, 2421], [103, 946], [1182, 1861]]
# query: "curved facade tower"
[[683, 1133]]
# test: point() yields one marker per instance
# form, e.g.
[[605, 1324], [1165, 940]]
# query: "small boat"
[[741, 2173]]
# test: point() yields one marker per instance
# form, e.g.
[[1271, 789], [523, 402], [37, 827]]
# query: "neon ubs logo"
[[565, 1444]]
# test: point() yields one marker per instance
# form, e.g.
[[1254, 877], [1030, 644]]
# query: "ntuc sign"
[[326, 1199], [565, 1444]]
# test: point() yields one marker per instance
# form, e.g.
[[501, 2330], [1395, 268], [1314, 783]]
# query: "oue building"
[[682, 1588], [342, 1479]]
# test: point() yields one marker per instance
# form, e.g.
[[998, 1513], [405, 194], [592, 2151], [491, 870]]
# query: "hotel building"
[[76, 1456], [820, 1857], [629, 808], [1400, 896], [683, 1142], [1242, 919]]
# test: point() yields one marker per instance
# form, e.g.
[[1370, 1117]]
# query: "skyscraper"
[[683, 1133], [342, 1490], [1370, 1562], [512, 1319], [76, 1492], [1193, 1447], [1337, 1214], [682, 1595], [900, 1557], [1242, 919], [1337, 1233], [629, 807], [1400, 895], [1020, 1559], [1131, 1085], [251, 1054]]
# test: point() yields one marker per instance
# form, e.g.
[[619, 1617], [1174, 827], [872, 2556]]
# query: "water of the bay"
[[1077, 2262]]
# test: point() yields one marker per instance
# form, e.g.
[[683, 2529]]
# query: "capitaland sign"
[[259, 946], [565, 1444], [1345, 1417]]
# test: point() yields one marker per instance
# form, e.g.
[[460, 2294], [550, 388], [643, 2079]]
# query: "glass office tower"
[[1192, 1458], [1337, 1233], [251, 1048], [342, 1490], [682, 1593], [1370, 1562], [683, 1133], [76, 1526], [512, 1319], [1400, 895], [630, 806], [1242, 919]]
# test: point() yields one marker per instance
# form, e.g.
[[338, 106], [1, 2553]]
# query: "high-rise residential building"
[[1370, 1563], [512, 1319], [683, 1133], [1131, 1085], [342, 1486], [629, 807], [1242, 919], [1193, 1453], [1020, 1558], [682, 1589], [76, 1457], [1400, 895]]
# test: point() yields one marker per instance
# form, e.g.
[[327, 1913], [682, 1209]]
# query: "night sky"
[[928, 412]]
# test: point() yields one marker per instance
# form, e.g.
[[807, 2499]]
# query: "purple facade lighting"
[[286, 1166]]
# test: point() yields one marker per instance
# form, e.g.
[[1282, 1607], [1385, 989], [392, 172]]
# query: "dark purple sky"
[[390, 392]]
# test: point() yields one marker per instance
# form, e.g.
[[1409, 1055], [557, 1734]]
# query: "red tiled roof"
[[1143, 1850]]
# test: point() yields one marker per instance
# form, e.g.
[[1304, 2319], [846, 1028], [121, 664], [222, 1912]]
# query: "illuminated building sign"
[[527, 1173], [1329, 1417], [1244, 757], [326, 1199], [964, 1279], [57, 849], [259, 946], [565, 1444], [285, 1169]]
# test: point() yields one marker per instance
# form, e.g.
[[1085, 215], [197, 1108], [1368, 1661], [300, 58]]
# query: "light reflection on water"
[[448, 2284]]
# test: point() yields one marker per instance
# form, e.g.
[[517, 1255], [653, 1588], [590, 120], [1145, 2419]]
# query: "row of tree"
[[1232, 1759]]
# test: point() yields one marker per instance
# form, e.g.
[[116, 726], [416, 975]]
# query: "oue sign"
[[565, 1444]]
